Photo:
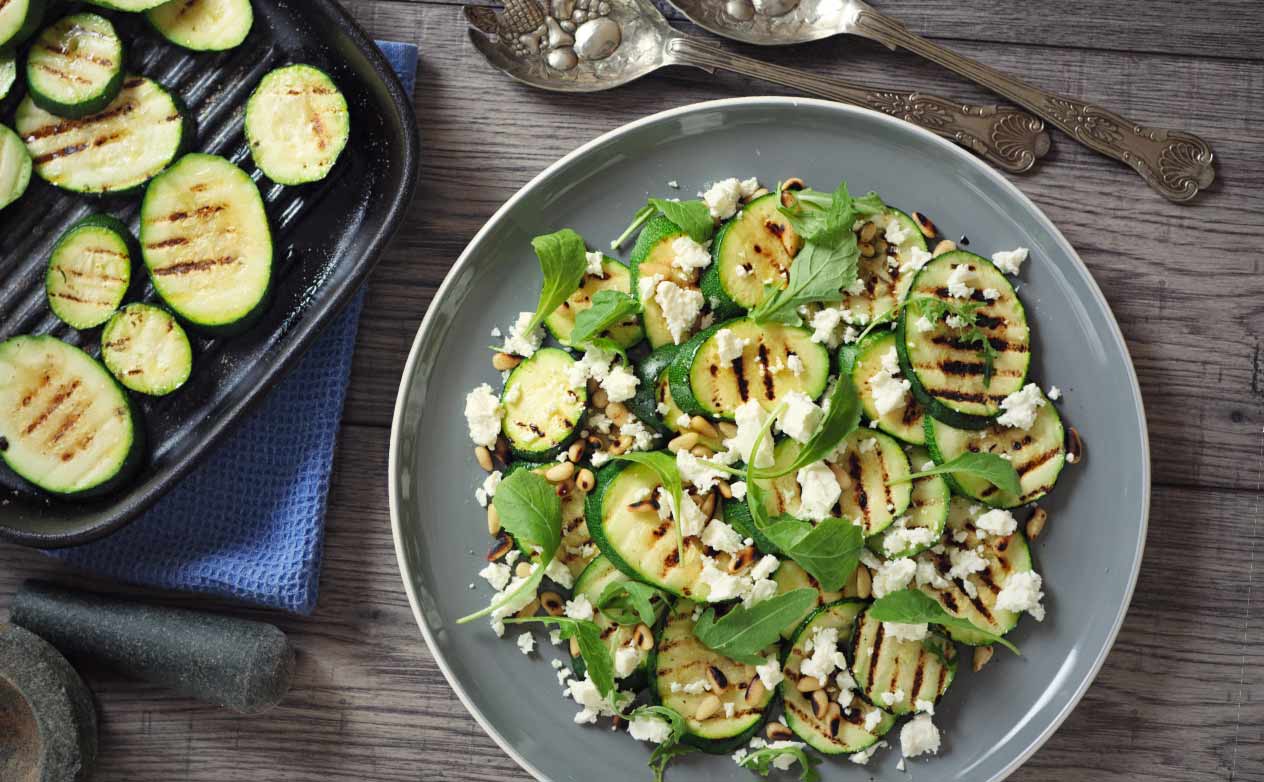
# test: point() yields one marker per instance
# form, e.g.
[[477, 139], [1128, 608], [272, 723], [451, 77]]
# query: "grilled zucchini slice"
[[841, 729], [203, 25], [652, 256], [19, 19], [75, 66], [650, 392], [297, 124], [886, 273], [594, 579], [15, 167], [928, 509], [114, 151], [147, 350], [755, 248], [1038, 455], [704, 383], [681, 659], [1005, 556], [614, 276], [948, 374], [904, 421], [911, 671], [543, 413], [206, 242], [65, 424], [130, 6], [789, 577], [8, 73], [90, 271], [577, 549]]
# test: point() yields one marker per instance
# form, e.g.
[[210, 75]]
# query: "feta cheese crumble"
[[749, 418], [626, 658], [997, 522], [801, 417], [919, 736], [770, 673], [482, 414], [680, 307], [580, 607], [721, 537], [818, 491], [1010, 261], [728, 345], [497, 574], [722, 197], [520, 342], [917, 258], [647, 727], [923, 324], [594, 264], [488, 489], [959, 282], [1020, 407], [826, 657], [893, 576], [620, 384], [526, 643], [1022, 593], [888, 387], [1054, 393], [688, 255], [905, 632]]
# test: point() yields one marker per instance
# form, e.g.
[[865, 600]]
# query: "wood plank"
[[369, 702], [1183, 280], [1226, 28]]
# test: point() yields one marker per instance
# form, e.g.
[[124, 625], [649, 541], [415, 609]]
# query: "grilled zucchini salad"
[[86, 125], [775, 461]]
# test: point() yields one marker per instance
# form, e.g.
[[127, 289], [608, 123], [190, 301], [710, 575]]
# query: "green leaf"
[[829, 551], [671, 747], [609, 308], [639, 219], [563, 262], [754, 492], [693, 217], [630, 602], [744, 633], [663, 755], [988, 466], [819, 274], [530, 585], [597, 657], [969, 332], [913, 606], [761, 762], [664, 465], [841, 419]]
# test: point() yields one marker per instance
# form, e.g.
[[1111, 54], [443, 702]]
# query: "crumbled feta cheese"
[[919, 736], [795, 364], [526, 643], [923, 324], [497, 574], [721, 585], [765, 567], [489, 486], [965, 562], [496, 334], [749, 418], [662, 408], [905, 632], [917, 258], [560, 573], [721, 537], [696, 687], [642, 437], [862, 758], [1054, 393], [924, 706], [620, 384], [510, 607], [1020, 407], [897, 232], [826, 657], [893, 697], [818, 491], [594, 264], [645, 286], [691, 518], [997, 522], [586, 694], [770, 672], [723, 196], [482, 414], [872, 718], [927, 573], [729, 710], [599, 458], [595, 363], [1022, 593], [758, 591], [888, 388], [555, 638], [688, 255], [893, 576], [959, 282], [739, 490], [991, 294], [825, 325], [626, 658], [683, 420], [579, 607], [1010, 261], [955, 322], [673, 184], [728, 345], [899, 766], [801, 416], [846, 686], [680, 307], [520, 342], [647, 727], [697, 472]]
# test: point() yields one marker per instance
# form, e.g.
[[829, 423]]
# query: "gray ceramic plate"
[[1089, 554]]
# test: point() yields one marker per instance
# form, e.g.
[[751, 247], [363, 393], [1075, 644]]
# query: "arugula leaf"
[[754, 492], [597, 657], [913, 606], [664, 465], [563, 262], [693, 217], [664, 755], [743, 633], [761, 761], [840, 420], [639, 219], [829, 551], [531, 511], [609, 307], [670, 747], [630, 602], [988, 466]]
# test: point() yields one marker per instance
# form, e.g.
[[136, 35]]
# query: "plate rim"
[[429, 321]]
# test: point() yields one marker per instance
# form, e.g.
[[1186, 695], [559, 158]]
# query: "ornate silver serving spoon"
[[1173, 162], [591, 45]]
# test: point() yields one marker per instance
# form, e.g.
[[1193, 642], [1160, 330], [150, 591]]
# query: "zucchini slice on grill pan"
[[75, 66], [203, 25], [297, 124]]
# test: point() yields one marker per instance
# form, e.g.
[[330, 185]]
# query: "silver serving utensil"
[[1175, 163], [591, 45]]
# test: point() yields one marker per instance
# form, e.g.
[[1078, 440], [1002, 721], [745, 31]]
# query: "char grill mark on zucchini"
[[129, 142], [1005, 556], [681, 658], [754, 248], [928, 508], [65, 425], [297, 124], [885, 664], [207, 244], [15, 167], [75, 67], [543, 413], [146, 350], [949, 373], [615, 276], [1038, 455], [90, 271]]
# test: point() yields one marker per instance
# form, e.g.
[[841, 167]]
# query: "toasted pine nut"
[[1074, 446], [600, 399], [616, 411], [834, 719], [576, 451], [981, 656], [868, 231], [683, 442], [574, 647], [709, 706], [484, 458], [945, 246], [793, 183], [726, 491], [501, 546], [820, 702], [701, 451], [880, 247], [755, 691], [623, 445], [719, 682], [728, 429], [493, 520], [925, 225], [529, 609], [778, 732], [523, 569], [503, 362], [844, 480], [552, 603], [1036, 524], [742, 559], [866, 250], [864, 583], [708, 505], [586, 480], [643, 637], [502, 450], [703, 427], [560, 471], [808, 684]]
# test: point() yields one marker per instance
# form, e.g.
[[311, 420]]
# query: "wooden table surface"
[[1181, 697]]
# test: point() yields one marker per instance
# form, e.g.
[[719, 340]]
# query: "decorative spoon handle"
[[1173, 162], [1007, 138]]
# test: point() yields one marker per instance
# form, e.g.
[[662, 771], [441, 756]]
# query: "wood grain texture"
[[1181, 699]]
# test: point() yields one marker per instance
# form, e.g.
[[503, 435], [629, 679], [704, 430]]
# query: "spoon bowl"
[[768, 22]]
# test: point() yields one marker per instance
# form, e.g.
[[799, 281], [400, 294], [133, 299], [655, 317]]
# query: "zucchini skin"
[[644, 405], [678, 373], [712, 287], [737, 514], [593, 514]]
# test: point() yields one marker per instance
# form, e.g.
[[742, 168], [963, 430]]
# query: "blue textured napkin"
[[249, 524]]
